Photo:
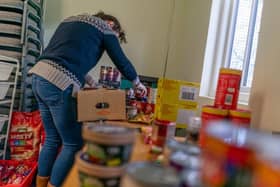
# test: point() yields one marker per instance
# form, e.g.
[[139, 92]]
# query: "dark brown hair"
[[117, 26]]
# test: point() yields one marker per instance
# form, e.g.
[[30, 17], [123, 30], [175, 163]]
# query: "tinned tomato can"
[[240, 117], [228, 86], [162, 131], [209, 114]]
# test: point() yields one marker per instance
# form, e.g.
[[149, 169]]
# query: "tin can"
[[265, 174], [267, 161], [209, 114], [107, 145], [145, 174], [240, 117], [227, 156], [162, 131], [95, 175], [191, 178], [227, 91], [116, 75], [179, 161], [103, 73], [110, 73]]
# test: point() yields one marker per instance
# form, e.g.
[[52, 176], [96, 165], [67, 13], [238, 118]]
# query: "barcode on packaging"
[[188, 93]]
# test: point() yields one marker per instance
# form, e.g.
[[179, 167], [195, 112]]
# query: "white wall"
[[145, 22], [188, 41], [265, 98]]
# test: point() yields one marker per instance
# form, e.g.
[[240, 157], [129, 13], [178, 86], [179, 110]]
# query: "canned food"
[[162, 131], [172, 146], [227, 156], [227, 91], [103, 73], [108, 145], [144, 174], [240, 117], [267, 161], [191, 178], [266, 174], [94, 175], [210, 114], [131, 112], [179, 161], [116, 75], [110, 73]]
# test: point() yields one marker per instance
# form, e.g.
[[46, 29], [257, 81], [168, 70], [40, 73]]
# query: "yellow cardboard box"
[[180, 114], [176, 101], [177, 92]]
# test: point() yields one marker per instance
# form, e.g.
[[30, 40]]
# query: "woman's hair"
[[117, 26]]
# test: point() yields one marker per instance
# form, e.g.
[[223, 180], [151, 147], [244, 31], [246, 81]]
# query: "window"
[[232, 42]]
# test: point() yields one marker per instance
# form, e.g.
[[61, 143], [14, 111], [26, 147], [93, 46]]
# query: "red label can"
[[209, 114], [162, 131], [228, 88], [240, 117]]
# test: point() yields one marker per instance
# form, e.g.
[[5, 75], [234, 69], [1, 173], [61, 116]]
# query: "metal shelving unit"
[[21, 43], [12, 81]]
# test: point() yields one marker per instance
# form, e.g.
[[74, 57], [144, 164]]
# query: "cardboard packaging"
[[176, 101], [101, 104]]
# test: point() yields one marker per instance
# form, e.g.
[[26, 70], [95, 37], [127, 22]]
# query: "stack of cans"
[[110, 77]]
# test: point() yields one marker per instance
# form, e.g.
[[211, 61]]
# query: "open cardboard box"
[[101, 104]]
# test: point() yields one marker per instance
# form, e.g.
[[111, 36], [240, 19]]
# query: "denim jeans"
[[59, 115]]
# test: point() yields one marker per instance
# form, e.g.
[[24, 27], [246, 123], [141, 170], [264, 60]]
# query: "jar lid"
[[214, 110], [148, 174], [108, 134], [96, 170]]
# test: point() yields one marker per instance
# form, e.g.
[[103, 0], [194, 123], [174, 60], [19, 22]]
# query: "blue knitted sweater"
[[79, 42]]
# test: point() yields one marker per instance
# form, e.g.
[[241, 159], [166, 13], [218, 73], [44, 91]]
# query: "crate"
[[4, 87], [3, 120], [27, 181], [5, 70]]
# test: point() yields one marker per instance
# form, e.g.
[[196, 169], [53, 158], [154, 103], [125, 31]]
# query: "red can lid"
[[164, 122]]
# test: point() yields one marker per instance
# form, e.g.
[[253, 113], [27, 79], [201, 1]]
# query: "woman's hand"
[[140, 90]]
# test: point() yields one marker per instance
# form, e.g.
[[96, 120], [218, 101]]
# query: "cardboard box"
[[176, 101], [177, 92], [101, 104], [180, 114]]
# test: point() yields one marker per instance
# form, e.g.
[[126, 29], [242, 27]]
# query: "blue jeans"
[[59, 115]]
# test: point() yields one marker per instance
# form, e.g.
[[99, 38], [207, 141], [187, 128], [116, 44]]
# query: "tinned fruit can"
[[240, 117], [228, 86], [162, 131], [209, 114]]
